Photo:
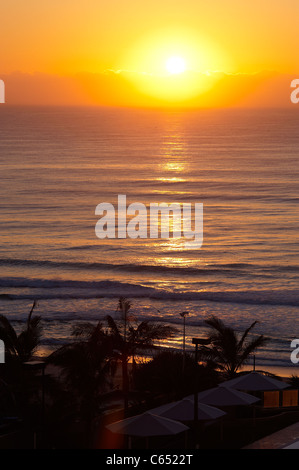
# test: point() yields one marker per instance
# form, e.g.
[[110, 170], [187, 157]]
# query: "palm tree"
[[164, 374], [20, 347], [226, 349], [85, 366], [130, 336]]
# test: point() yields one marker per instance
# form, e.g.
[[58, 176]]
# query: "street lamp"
[[197, 342], [183, 315]]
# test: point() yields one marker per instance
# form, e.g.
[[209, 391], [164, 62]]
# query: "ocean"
[[58, 164]]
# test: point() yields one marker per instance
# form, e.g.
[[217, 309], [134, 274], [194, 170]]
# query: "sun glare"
[[175, 65], [171, 67]]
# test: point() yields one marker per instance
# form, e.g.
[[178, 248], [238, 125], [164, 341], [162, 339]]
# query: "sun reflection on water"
[[174, 158]]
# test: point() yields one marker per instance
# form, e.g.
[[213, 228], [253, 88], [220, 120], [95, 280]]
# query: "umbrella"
[[254, 381], [146, 425], [183, 410], [224, 396]]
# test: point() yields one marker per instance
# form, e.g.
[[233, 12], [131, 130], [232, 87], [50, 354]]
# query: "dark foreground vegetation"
[[66, 400]]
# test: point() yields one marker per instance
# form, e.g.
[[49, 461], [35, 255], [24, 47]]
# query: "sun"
[[175, 65]]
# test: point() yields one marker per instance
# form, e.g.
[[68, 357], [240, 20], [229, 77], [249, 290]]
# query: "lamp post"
[[196, 342], [183, 315]]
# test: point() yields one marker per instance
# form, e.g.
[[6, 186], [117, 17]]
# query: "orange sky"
[[114, 53]]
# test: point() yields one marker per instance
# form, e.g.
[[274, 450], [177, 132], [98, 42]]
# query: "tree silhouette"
[[21, 385], [226, 349], [130, 336], [86, 366], [164, 375], [20, 347]]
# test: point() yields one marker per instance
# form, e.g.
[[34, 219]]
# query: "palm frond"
[[245, 334], [226, 349], [30, 313], [251, 347], [84, 329]]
